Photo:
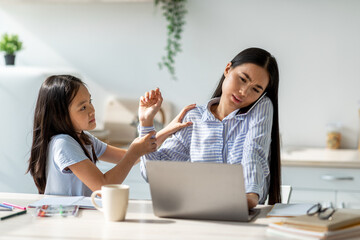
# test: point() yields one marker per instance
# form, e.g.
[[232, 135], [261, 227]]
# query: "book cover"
[[289, 210], [283, 229], [340, 219]]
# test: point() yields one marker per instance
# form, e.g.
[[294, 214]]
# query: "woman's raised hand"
[[149, 105]]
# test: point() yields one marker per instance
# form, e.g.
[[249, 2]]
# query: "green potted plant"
[[174, 12], [10, 44]]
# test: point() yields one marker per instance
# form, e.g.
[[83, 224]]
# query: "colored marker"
[[61, 210], [6, 206], [42, 211], [13, 215], [14, 206]]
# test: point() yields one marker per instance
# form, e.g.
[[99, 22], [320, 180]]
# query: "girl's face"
[[82, 112], [243, 85]]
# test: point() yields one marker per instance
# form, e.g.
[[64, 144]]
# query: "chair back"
[[285, 193]]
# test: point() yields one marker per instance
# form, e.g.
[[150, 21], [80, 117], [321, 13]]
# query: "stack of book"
[[342, 225]]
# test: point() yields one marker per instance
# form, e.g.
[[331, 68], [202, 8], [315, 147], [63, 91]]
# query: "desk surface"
[[140, 223]]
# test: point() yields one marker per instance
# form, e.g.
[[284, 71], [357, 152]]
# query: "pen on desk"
[[6, 206], [13, 215], [5, 209], [14, 206]]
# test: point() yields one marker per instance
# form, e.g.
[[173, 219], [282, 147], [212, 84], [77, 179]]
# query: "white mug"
[[115, 198]]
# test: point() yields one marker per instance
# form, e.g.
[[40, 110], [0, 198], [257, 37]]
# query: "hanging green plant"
[[174, 11]]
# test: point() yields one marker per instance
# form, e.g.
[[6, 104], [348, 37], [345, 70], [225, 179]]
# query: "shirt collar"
[[208, 116]]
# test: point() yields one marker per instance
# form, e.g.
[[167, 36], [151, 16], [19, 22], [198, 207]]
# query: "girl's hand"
[[143, 145], [175, 125], [149, 105]]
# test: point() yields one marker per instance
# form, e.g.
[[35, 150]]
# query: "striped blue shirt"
[[237, 139]]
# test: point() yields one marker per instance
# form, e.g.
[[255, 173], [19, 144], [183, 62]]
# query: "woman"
[[239, 125]]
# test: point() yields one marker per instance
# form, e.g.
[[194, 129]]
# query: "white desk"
[[140, 224]]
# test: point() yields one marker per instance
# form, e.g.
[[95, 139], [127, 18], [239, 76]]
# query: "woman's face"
[[243, 85], [82, 112]]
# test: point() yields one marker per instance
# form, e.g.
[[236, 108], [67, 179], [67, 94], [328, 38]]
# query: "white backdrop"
[[118, 46]]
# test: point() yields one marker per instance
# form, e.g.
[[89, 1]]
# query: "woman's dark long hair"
[[264, 59], [51, 118]]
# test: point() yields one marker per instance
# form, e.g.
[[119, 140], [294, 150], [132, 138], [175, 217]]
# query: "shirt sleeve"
[[67, 151], [257, 148], [174, 148]]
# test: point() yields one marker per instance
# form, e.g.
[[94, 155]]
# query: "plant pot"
[[9, 59]]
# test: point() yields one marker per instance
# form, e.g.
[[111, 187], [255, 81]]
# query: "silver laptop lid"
[[209, 191]]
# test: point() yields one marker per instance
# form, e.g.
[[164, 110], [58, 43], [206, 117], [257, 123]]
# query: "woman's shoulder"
[[263, 109], [263, 104], [266, 101], [195, 113]]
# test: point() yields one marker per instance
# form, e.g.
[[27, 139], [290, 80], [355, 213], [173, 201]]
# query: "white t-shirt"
[[64, 151]]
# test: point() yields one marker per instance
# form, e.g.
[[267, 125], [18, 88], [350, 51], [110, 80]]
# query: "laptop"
[[208, 191]]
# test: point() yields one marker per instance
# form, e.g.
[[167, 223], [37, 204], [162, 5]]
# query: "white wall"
[[118, 45]]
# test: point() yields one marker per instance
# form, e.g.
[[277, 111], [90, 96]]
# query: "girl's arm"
[[150, 104], [175, 125], [92, 177], [113, 154]]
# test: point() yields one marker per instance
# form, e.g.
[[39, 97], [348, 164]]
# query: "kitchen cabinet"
[[323, 175]]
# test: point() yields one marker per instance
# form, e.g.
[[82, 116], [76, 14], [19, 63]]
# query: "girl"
[[63, 154], [239, 125]]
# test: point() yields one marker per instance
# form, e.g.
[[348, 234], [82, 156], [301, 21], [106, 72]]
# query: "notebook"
[[289, 210], [210, 191], [340, 219], [284, 230]]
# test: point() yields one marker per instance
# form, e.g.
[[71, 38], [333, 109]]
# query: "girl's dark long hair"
[[264, 59], [51, 118]]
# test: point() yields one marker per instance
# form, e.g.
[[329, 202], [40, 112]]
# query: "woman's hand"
[[175, 125], [143, 145], [252, 200], [149, 105]]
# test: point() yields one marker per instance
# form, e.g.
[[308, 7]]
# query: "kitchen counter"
[[320, 157]]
